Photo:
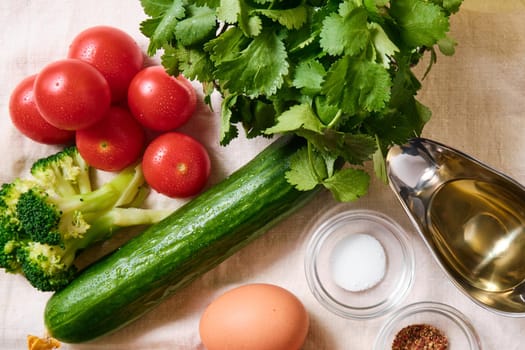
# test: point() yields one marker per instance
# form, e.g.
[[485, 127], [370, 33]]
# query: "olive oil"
[[479, 229]]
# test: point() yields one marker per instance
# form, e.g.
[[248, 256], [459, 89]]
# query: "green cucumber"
[[169, 255]]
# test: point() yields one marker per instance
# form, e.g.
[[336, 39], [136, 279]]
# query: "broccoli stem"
[[116, 218], [111, 221], [134, 187], [83, 178], [100, 199]]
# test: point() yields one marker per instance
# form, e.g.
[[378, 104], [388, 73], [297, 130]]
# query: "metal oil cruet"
[[471, 217]]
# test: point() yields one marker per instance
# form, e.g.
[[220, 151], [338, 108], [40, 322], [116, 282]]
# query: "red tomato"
[[28, 120], [113, 143], [160, 101], [113, 52], [71, 94], [176, 165]]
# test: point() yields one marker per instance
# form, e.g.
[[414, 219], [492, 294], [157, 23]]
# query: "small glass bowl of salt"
[[359, 264]]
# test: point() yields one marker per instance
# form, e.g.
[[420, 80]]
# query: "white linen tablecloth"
[[478, 103]]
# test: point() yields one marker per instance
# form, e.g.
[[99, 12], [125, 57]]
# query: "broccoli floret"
[[51, 218], [48, 219], [47, 267], [65, 172], [52, 267], [10, 228], [8, 248], [9, 195]]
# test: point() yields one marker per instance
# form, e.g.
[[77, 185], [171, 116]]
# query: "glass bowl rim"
[[448, 311], [320, 231]]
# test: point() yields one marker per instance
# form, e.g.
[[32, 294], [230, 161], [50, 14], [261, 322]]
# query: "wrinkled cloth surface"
[[478, 102]]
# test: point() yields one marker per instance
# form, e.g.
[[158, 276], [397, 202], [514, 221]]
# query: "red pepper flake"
[[420, 337]]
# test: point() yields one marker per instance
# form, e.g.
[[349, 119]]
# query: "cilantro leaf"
[[384, 48], [227, 130], [259, 116], [229, 10], [402, 123], [209, 3], [239, 13], [251, 25], [227, 45], [276, 3], [156, 8], [292, 18], [447, 46], [301, 174], [326, 112], [161, 29], [373, 5], [170, 60], [404, 117], [348, 184], [309, 75], [308, 168], [148, 28], [254, 115], [353, 148], [357, 85], [198, 25], [297, 117], [421, 23], [193, 63], [404, 83], [259, 69], [348, 34], [451, 6], [358, 147]]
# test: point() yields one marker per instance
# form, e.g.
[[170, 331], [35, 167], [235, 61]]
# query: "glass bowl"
[[454, 325], [372, 302]]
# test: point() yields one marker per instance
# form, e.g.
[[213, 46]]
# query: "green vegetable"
[[49, 217], [337, 73], [172, 253]]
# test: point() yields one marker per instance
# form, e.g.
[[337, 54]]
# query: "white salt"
[[358, 262]]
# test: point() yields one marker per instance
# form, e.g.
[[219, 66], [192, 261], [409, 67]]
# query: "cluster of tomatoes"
[[104, 99]]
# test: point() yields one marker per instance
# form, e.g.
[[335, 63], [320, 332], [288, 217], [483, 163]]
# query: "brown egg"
[[254, 317]]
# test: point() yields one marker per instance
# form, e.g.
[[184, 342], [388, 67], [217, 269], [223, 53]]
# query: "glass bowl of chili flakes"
[[427, 325]]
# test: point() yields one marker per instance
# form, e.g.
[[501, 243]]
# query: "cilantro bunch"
[[337, 73]]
